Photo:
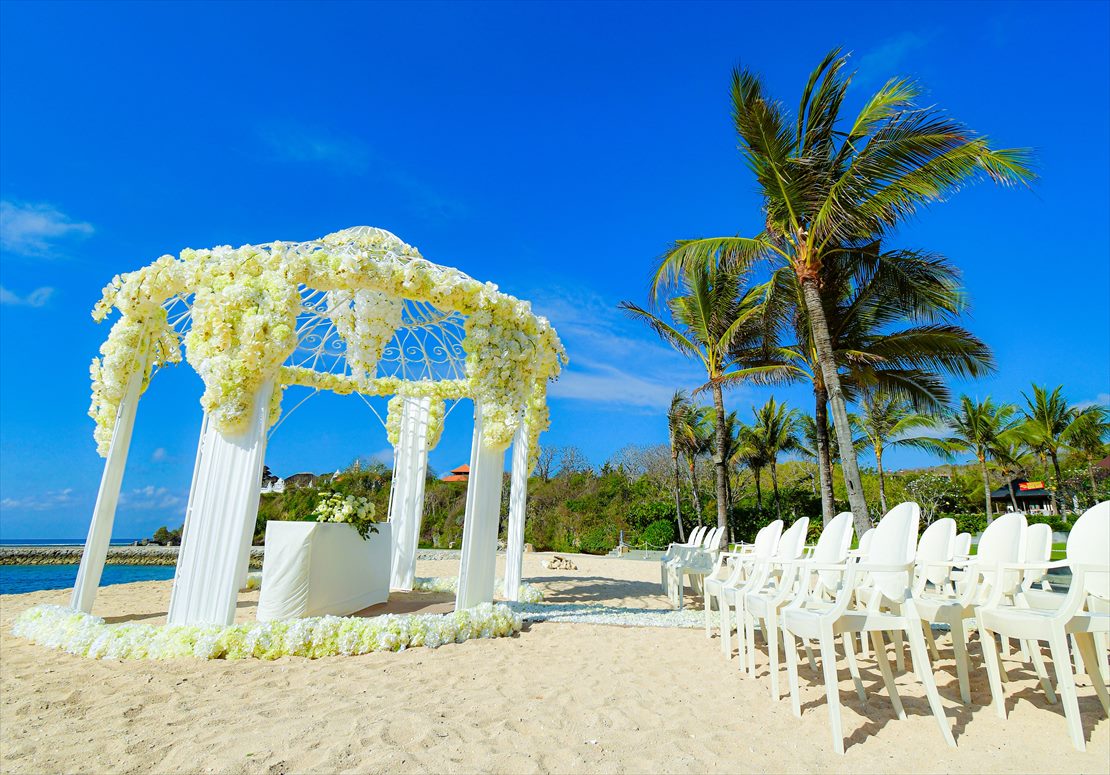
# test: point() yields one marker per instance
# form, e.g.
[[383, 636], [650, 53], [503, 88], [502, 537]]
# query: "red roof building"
[[460, 474]]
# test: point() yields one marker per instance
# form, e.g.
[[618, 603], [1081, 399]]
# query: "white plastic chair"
[[766, 604], [766, 542], [695, 562], [1088, 556], [791, 546], [674, 550], [1002, 543], [890, 565]]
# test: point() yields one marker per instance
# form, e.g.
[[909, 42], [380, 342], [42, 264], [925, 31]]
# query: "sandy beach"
[[555, 698]]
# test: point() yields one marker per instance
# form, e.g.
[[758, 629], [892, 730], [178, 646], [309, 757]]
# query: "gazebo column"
[[104, 512], [406, 497], [518, 501], [219, 521], [478, 562]]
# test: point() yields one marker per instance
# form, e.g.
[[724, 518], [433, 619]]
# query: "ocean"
[[59, 541], [15, 579]]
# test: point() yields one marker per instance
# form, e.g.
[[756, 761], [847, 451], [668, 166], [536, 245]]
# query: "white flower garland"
[[527, 593], [86, 635], [244, 320], [437, 411]]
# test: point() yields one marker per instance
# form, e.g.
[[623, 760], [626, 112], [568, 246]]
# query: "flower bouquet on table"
[[354, 510]]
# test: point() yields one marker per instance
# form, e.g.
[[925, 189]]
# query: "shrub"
[[658, 535], [597, 540]]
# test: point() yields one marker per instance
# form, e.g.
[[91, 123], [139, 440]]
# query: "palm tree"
[[889, 421], [750, 451], [696, 435], [713, 313], [776, 429], [1087, 435], [981, 428], [1049, 421], [828, 188], [675, 420]]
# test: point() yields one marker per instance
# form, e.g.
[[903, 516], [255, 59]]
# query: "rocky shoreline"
[[144, 555]]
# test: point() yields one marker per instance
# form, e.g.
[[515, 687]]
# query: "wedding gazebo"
[[356, 312]]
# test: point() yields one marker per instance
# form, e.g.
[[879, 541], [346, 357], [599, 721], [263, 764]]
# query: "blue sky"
[[555, 149]]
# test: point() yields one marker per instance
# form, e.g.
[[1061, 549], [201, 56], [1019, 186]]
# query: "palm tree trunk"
[[827, 360], [758, 491], [694, 488], [986, 487], [882, 478], [824, 454], [1010, 487], [677, 499], [719, 458], [1056, 489], [1091, 473], [775, 487]]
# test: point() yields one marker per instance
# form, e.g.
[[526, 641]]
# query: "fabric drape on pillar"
[[220, 519], [406, 497], [478, 561], [518, 502], [104, 512]]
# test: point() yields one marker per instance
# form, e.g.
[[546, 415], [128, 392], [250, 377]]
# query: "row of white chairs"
[[895, 584], [694, 559]]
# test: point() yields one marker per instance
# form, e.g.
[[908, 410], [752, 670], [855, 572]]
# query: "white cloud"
[[159, 455], [36, 298], [34, 229], [297, 144], [1102, 399], [887, 59], [150, 497], [54, 499], [607, 384]]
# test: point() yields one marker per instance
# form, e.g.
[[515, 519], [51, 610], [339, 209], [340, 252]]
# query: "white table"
[[320, 568]]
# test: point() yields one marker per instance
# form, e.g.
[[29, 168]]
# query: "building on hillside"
[[1031, 497], [460, 474]]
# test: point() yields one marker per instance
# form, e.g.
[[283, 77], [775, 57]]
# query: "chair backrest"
[[936, 546], [832, 546], [1089, 544], [893, 542], [865, 542], [1004, 542], [767, 539], [712, 541], [793, 540], [962, 547], [1038, 548], [696, 536]]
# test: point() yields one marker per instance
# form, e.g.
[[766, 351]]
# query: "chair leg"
[[771, 630], [899, 652], [888, 674], [726, 626], [708, 614], [1086, 643], [853, 668], [994, 671], [748, 665], [927, 628], [832, 690], [924, 670], [1033, 648], [809, 656], [1065, 682], [1077, 658], [790, 645], [959, 647]]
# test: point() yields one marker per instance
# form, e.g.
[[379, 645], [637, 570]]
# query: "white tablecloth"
[[317, 568]]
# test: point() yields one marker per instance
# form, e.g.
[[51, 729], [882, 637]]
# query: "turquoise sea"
[[15, 579]]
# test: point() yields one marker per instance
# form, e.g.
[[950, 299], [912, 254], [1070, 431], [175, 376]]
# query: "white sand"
[[556, 698]]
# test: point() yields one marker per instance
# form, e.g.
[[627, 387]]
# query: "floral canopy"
[[358, 311]]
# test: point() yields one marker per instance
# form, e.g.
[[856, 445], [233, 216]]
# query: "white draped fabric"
[[406, 495], [104, 513], [321, 569], [478, 560], [518, 502], [219, 521]]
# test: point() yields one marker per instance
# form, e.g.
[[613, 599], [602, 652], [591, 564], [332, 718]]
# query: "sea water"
[[15, 579]]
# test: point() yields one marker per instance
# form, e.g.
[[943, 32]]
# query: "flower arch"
[[358, 311]]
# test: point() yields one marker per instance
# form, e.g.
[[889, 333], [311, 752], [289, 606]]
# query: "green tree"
[[981, 428], [775, 431], [676, 420], [1087, 435], [712, 312], [828, 187], [889, 422], [1050, 422]]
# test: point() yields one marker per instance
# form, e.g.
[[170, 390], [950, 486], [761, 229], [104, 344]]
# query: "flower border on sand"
[[86, 635], [527, 594]]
